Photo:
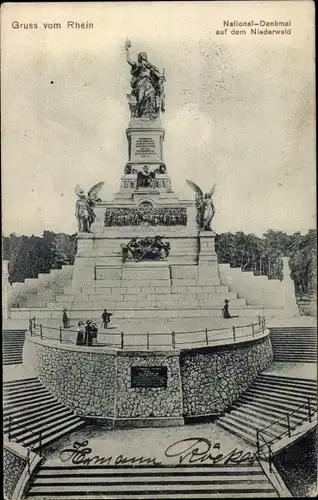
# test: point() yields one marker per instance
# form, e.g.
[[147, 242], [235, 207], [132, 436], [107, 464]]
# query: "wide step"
[[29, 409], [266, 403], [143, 482], [296, 344], [12, 347]]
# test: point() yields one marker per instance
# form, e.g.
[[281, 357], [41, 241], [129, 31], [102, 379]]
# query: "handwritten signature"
[[80, 455], [190, 450], [200, 450]]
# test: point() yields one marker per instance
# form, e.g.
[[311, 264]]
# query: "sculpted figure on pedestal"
[[205, 206], [84, 211], [145, 178], [147, 84], [146, 249]]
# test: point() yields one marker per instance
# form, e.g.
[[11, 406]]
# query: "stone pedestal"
[[207, 260], [145, 142]]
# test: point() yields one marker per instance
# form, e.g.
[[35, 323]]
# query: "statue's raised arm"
[[127, 47]]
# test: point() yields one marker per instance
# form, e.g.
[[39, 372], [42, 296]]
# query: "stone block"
[[184, 272], [208, 281], [109, 283], [108, 272], [178, 289], [132, 290], [151, 274], [147, 289], [184, 282], [104, 290], [146, 283], [162, 289]]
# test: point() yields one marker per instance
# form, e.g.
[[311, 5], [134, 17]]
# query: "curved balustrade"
[[172, 339]]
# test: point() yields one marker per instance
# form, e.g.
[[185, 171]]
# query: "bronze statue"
[[145, 177], [147, 84], [205, 206], [146, 249], [84, 211]]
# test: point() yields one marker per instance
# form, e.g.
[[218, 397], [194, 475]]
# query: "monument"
[[149, 257], [147, 254], [146, 236]]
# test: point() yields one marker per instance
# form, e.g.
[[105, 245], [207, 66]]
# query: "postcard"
[[159, 250]]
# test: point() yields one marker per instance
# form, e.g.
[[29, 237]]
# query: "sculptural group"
[[146, 249]]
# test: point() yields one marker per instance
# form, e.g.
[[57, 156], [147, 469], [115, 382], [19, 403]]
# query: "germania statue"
[[205, 206], [84, 211], [147, 97]]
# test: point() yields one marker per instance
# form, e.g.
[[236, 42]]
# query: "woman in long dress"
[[94, 331], [146, 84], [225, 310], [80, 340]]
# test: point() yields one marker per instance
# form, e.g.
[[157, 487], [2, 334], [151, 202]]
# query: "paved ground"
[[152, 442], [15, 372], [189, 331], [176, 324], [304, 321], [296, 370]]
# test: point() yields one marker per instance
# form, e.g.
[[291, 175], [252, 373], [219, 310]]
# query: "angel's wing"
[[78, 190], [93, 192], [195, 188], [213, 189]]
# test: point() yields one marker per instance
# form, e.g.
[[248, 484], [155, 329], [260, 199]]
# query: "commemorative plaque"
[[149, 376], [146, 147]]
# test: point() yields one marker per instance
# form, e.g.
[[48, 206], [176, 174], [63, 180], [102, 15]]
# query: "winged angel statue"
[[85, 207], [205, 207]]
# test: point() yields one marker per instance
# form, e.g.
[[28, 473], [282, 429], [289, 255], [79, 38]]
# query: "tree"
[[30, 255]]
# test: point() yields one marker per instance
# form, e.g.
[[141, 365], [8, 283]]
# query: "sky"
[[239, 109]]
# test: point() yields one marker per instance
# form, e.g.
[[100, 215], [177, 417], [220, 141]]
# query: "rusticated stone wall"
[[13, 466], [214, 377], [98, 384], [80, 378], [148, 402]]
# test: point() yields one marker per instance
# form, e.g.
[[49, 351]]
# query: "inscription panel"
[[145, 148], [148, 376]]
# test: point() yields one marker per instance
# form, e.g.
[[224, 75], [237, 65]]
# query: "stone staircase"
[[12, 346], [36, 292], [30, 409], [150, 482], [297, 344], [155, 290], [267, 400]]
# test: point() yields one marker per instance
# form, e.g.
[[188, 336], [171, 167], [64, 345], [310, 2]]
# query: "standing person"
[[80, 333], [106, 318], [88, 333], [66, 321], [225, 310], [94, 330]]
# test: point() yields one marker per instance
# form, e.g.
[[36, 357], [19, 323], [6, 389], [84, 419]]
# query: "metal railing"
[[37, 435], [205, 337], [286, 422]]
